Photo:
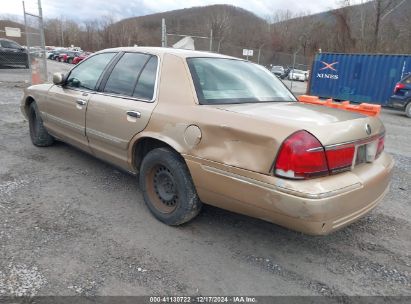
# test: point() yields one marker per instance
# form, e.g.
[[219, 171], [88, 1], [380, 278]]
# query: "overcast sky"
[[89, 9]]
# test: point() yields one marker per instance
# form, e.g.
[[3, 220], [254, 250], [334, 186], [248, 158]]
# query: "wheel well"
[[145, 145], [27, 104]]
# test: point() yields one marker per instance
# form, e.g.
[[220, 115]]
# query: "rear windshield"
[[226, 81]]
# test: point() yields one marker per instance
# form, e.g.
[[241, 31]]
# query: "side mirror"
[[58, 78]]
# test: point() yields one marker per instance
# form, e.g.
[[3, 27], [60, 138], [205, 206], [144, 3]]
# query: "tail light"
[[340, 158], [301, 156], [380, 147], [399, 86]]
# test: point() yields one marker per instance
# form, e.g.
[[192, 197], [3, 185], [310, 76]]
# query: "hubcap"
[[164, 186], [162, 189]]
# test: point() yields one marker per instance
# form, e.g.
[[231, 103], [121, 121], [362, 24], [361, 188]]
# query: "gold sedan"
[[206, 128]]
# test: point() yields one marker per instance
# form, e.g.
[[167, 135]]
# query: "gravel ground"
[[73, 225]]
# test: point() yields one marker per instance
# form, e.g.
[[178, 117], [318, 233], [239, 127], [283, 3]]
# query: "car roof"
[[5, 39], [161, 51]]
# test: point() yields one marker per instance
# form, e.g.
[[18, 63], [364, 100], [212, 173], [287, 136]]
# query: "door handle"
[[81, 102], [134, 114]]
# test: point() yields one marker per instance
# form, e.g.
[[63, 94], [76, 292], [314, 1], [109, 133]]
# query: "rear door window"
[[147, 80], [123, 78]]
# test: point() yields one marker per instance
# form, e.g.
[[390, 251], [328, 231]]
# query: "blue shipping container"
[[367, 78]]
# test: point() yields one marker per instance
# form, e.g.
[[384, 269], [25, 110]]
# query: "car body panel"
[[229, 149], [278, 70], [297, 75], [65, 117], [12, 54], [109, 128], [80, 57], [330, 203]]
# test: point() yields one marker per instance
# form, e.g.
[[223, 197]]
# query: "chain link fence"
[[14, 59], [36, 48], [22, 51]]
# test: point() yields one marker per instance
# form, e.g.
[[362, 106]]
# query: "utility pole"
[[42, 39], [211, 40], [393, 9], [163, 33], [27, 37], [259, 53], [62, 32]]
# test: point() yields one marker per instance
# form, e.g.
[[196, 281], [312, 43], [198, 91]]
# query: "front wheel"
[[168, 189], [38, 134], [408, 109]]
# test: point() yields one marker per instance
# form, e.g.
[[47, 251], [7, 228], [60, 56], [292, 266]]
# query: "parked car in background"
[[277, 70], [401, 100], [36, 51], [81, 57], [12, 54], [177, 119], [296, 75], [286, 73], [71, 55], [55, 54], [68, 56]]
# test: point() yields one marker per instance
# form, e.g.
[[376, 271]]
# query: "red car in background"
[[67, 56], [79, 58]]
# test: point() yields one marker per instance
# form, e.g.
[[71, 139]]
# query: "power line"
[[393, 9]]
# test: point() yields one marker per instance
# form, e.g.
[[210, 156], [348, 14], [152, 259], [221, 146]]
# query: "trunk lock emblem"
[[368, 129]]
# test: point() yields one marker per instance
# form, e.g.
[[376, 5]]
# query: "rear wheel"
[[167, 187], [408, 109], [38, 134]]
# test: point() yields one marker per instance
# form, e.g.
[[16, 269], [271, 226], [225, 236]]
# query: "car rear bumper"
[[316, 207], [398, 102]]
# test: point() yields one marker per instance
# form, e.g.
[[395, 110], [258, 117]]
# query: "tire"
[[167, 187], [38, 134], [70, 61], [408, 110]]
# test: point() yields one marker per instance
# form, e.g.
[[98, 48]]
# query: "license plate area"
[[361, 156], [366, 153]]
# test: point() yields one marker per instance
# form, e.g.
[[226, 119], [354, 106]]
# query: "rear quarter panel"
[[235, 139], [222, 137]]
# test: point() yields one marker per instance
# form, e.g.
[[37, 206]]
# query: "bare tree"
[[344, 38], [382, 8], [220, 24]]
